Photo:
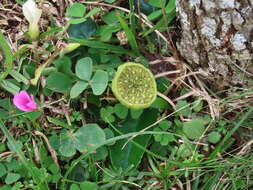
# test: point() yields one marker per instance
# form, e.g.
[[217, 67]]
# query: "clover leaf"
[[83, 70], [85, 139], [164, 139]]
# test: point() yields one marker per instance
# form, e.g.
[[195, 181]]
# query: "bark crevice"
[[216, 35]]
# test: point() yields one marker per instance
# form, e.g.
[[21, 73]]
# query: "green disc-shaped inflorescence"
[[134, 86]]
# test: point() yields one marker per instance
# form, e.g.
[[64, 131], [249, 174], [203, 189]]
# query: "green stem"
[[54, 102], [39, 70]]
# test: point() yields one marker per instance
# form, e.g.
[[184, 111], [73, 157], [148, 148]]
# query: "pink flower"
[[24, 101]]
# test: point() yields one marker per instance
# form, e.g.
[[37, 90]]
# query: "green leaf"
[[77, 20], [89, 136], [157, 138], [171, 8], [109, 134], [214, 137], [164, 139], [92, 12], [18, 77], [101, 153], [121, 111], [33, 115], [47, 71], [74, 187], [9, 86], [6, 187], [63, 65], [155, 14], [6, 104], [106, 114], [169, 137], [110, 18], [145, 7], [3, 147], [11, 178], [67, 144], [3, 113], [13, 165], [194, 128], [42, 175], [99, 82], [29, 71], [162, 84], [59, 82], [84, 68], [160, 103], [78, 88], [198, 105], [58, 122], [54, 168], [76, 10], [155, 3], [18, 145], [106, 31], [165, 124], [82, 30], [131, 155], [3, 170], [183, 108], [88, 186], [136, 113]]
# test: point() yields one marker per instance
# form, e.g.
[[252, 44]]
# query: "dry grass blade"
[[212, 103], [241, 69], [50, 148], [167, 99], [5, 154], [167, 73], [245, 148], [185, 96], [36, 152]]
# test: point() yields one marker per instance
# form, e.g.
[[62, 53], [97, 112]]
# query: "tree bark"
[[217, 37]]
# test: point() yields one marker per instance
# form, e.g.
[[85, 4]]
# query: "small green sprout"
[[134, 86]]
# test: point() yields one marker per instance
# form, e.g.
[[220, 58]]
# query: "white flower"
[[32, 14]]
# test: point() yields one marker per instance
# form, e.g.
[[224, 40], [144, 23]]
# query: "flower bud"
[[32, 14], [69, 47]]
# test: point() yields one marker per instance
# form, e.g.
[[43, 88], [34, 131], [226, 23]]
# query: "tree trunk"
[[217, 37]]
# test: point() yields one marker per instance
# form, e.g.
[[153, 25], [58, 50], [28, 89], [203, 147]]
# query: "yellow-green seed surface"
[[135, 85]]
